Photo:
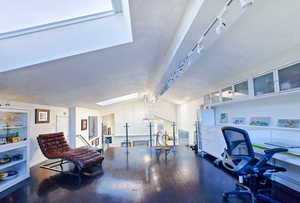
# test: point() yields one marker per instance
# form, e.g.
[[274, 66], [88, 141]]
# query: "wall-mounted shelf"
[[12, 146], [10, 164], [9, 183], [12, 127]]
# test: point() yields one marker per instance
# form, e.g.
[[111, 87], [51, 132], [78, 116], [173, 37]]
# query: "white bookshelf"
[[11, 149]]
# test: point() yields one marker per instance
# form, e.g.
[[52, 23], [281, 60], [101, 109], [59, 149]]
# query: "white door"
[[62, 125]]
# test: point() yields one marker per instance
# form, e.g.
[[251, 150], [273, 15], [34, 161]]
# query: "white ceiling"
[[264, 36], [89, 78]]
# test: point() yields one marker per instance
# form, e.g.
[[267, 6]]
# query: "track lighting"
[[188, 61], [221, 27], [199, 48], [245, 3]]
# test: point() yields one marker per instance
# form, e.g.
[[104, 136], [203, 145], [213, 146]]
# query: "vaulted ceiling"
[[266, 35], [89, 78]]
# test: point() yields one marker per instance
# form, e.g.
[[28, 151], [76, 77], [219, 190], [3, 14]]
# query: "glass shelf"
[[13, 127]]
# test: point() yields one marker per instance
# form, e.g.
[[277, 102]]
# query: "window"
[[215, 97], [17, 15], [207, 99], [289, 78], [264, 84], [241, 89], [227, 94]]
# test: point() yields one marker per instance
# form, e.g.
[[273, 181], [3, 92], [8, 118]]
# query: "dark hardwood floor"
[[135, 177]]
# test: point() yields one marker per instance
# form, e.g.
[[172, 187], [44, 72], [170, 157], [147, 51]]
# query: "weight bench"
[[54, 146]]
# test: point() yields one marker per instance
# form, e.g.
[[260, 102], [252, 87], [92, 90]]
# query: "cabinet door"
[[62, 125]]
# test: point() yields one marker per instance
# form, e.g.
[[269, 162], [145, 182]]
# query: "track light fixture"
[[221, 27], [200, 48], [245, 3], [188, 61]]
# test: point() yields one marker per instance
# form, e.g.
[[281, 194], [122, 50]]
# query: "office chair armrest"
[[266, 157], [274, 151]]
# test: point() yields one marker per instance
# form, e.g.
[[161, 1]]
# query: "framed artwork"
[[93, 127], [224, 118], [239, 121], [289, 123], [84, 124], [42, 116], [260, 121]]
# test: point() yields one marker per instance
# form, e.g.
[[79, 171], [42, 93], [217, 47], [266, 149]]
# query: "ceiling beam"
[[191, 11]]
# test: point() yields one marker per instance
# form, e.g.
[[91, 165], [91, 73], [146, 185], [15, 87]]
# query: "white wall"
[[36, 155], [134, 112], [186, 117]]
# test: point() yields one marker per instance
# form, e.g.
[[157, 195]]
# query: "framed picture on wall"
[[84, 124], [260, 121], [239, 121], [42, 116], [289, 123], [224, 118]]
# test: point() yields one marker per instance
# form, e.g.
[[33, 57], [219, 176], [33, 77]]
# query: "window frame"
[[117, 8], [287, 90], [274, 83]]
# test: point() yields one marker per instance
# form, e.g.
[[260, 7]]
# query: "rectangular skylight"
[[118, 99], [18, 15]]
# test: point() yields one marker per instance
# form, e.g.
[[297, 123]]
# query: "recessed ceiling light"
[[118, 99]]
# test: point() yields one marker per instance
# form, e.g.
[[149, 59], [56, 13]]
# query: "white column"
[[72, 126]]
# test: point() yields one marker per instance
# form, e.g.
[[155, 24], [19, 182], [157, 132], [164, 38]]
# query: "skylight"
[[18, 15], [118, 99]]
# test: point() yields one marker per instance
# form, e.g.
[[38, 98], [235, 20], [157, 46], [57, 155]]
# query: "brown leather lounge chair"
[[54, 146]]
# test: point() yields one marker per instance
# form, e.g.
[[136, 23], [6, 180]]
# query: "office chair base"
[[247, 192]]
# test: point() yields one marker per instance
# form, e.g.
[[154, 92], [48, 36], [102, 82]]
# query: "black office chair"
[[254, 175]]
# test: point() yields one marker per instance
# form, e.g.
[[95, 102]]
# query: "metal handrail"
[[83, 140]]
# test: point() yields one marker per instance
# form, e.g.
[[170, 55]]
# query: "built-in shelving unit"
[[11, 128]]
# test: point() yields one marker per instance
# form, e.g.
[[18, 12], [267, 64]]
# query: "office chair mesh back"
[[239, 150], [238, 142]]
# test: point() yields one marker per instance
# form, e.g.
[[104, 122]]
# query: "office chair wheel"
[[218, 163], [225, 196]]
